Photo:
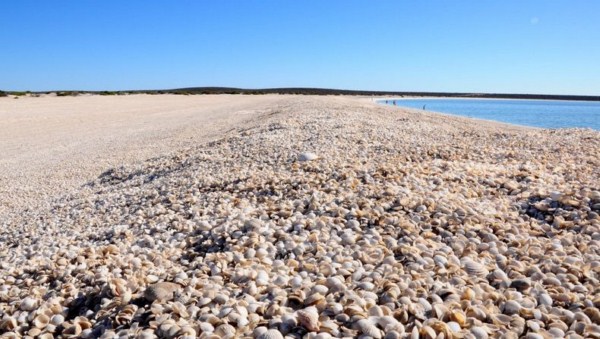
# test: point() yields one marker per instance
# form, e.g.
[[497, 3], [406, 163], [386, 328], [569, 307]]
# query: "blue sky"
[[525, 46]]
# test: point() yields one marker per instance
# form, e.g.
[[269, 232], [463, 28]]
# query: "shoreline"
[[382, 101], [477, 98]]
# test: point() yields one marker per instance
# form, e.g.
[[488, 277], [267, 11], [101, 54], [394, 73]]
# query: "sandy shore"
[[317, 217], [51, 145]]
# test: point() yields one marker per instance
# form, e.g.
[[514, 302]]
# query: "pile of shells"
[[332, 218]]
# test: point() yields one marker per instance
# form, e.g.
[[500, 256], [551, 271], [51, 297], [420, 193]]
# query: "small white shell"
[[28, 304], [270, 334], [225, 331], [307, 156], [309, 318], [41, 321], [474, 268], [367, 327]]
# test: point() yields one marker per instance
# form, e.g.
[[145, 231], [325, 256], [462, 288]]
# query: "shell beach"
[[324, 217]]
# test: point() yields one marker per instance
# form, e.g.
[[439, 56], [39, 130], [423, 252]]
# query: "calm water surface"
[[537, 113]]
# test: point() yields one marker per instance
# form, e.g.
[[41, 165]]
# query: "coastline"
[[397, 102]]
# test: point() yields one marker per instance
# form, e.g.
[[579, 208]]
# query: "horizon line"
[[311, 91]]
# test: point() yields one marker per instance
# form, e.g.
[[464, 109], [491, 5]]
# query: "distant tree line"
[[311, 91]]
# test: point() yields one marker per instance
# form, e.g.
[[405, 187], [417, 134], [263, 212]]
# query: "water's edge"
[[532, 113]]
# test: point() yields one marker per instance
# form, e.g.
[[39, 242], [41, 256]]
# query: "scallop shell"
[[309, 318], [511, 307], [479, 332], [28, 304], [225, 331], [187, 331], [427, 332], [270, 334], [458, 316], [368, 328], [57, 319], [474, 268], [41, 321]]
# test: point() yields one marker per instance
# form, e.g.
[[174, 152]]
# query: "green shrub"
[[67, 93]]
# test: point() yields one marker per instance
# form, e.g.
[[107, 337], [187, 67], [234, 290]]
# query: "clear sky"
[[509, 46]]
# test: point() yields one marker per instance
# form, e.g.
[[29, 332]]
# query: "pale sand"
[[50, 145]]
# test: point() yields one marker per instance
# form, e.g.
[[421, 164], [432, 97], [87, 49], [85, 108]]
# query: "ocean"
[[535, 113]]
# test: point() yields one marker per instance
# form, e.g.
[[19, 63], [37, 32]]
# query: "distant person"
[[424, 107]]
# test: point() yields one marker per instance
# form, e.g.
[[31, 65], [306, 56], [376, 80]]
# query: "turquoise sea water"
[[537, 113]]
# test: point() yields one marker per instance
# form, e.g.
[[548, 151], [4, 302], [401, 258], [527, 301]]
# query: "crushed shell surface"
[[406, 224]]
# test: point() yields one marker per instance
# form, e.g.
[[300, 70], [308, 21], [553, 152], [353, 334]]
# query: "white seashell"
[[179, 309], [479, 332], [388, 323], [545, 299], [146, 334], [34, 332], [368, 328], [259, 331], [393, 335], [296, 281], [206, 327], [511, 307], [321, 289], [307, 156], [440, 260], [57, 319], [269, 334], [221, 298], [556, 332], [28, 304], [151, 278], [262, 278], [41, 321], [375, 311], [453, 326], [556, 196], [187, 331], [281, 281], [225, 331], [533, 325], [204, 301], [309, 318], [474, 268]]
